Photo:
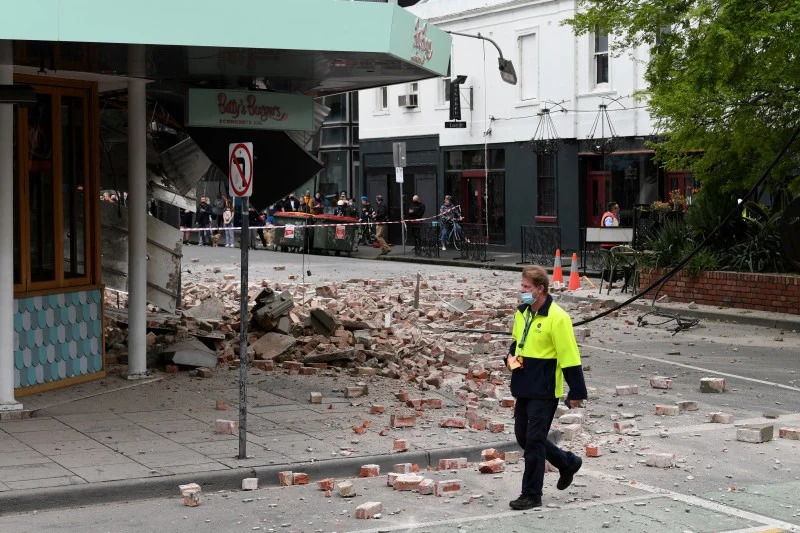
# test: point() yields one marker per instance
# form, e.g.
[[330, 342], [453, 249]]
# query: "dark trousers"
[[532, 419]]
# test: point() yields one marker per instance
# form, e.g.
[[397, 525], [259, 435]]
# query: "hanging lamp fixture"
[[545, 139], [601, 144]]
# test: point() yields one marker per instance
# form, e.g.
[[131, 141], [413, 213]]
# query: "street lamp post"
[[507, 71]]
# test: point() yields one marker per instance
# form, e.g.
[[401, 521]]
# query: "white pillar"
[[7, 307], [137, 215]]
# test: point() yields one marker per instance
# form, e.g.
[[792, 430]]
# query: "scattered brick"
[[346, 489], [687, 405], [452, 422], [489, 453], [426, 487], [221, 405], [402, 468], [308, 371], [496, 427], [315, 397], [326, 484], [720, 418], [391, 477], [285, 478], [403, 420], [299, 478], [756, 433], [571, 418], [399, 445], [434, 403], [370, 471], [369, 510], [447, 487], [376, 409], [624, 427], [512, 457], [407, 482], [626, 390], [507, 402], [250, 483], [660, 382], [592, 450], [453, 464], [571, 431], [494, 466], [660, 460], [667, 410], [354, 391], [225, 427], [712, 385]]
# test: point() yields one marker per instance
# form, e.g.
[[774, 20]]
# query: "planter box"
[[778, 293]]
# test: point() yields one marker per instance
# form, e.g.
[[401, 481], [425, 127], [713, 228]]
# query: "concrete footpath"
[[114, 439]]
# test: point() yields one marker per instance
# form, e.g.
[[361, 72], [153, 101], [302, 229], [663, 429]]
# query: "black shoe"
[[525, 502], [566, 475]]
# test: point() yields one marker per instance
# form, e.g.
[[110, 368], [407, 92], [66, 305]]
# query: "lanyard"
[[528, 322]]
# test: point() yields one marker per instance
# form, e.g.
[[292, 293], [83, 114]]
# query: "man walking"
[[381, 217], [204, 214], [416, 212], [542, 356]]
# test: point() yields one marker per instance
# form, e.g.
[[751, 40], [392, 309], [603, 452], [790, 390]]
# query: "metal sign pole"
[[402, 219], [244, 242]]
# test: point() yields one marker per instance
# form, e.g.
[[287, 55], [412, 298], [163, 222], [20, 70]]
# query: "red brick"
[[377, 409], [368, 510], [326, 484], [407, 482], [593, 450], [789, 433], [452, 422], [447, 487], [496, 427], [494, 466], [299, 478], [399, 445], [285, 478], [433, 403], [370, 471], [453, 464], [226, 427], [489, 453], [402, 420]]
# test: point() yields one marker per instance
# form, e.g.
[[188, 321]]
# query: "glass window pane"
[[73, 186], [354, 104], [601, 62], [454, 161], [41, 189], [333, 177], [338, 105], [600, 40], [336, 136]]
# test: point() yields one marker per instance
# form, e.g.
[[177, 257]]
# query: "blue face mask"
[[527, 298]]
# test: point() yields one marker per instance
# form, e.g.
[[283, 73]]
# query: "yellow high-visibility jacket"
[[549, 354]]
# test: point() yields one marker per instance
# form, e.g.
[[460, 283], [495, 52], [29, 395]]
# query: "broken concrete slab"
[[322, 322], [210, 309], [272, 345], [461, 305], [190, 352]]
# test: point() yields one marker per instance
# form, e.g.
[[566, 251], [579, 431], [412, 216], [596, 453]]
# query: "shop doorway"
[[473, 207], [598, 193]]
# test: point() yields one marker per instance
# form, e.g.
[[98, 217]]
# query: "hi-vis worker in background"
[[611, 216]]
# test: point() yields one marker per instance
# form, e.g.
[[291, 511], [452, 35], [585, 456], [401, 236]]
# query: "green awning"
[[311, 46]]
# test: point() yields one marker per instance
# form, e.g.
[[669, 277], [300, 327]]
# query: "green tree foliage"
[[723, 83]]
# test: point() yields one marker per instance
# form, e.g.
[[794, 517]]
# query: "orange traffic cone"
[[574, 277], [558, 275]]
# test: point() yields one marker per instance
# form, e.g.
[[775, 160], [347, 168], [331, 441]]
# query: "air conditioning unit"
[[407, 100]]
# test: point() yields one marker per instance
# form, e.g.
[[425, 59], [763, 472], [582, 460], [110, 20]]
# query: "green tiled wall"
[[57, 336]]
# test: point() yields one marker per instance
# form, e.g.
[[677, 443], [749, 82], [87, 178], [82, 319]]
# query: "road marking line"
[[692, 367], [698, 502], [506, 514]]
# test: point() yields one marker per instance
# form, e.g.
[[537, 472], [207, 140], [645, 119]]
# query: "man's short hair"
[[611, 206], [538, 276]]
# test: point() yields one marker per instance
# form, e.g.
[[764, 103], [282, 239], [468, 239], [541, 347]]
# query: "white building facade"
[[489, 165]]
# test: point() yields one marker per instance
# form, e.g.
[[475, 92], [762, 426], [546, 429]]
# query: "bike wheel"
[[455, 238]]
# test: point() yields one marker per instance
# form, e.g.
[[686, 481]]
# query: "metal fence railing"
[[474, 242], [425, 236], [539, 244]]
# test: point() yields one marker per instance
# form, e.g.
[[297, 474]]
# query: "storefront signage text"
[[423, 46], [249, 109]]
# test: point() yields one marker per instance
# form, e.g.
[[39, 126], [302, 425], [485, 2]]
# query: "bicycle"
[[455, 235], [367, 233]]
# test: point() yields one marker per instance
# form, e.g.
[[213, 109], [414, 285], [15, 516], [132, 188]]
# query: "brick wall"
[[762, 292]]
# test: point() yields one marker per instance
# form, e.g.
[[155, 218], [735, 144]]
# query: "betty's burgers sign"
[[219, 108]]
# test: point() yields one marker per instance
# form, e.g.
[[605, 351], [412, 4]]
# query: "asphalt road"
[[717, 484]]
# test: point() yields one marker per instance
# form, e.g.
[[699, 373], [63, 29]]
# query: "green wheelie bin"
[[294, 231], [336, 233]]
